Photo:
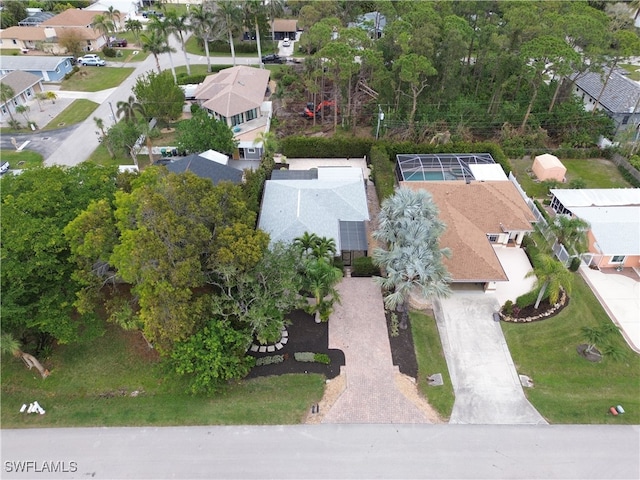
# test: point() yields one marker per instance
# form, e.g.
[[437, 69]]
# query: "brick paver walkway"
[[358, 327]]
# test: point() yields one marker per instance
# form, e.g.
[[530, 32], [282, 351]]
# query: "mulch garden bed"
[[402, 352], [304, 336]]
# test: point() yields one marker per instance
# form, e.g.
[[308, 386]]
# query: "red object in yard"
[[613, 411]]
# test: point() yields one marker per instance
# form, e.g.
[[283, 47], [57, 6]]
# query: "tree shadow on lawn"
[[304, 336]]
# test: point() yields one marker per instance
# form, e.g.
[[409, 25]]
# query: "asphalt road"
[[45, 143], [326, 451]]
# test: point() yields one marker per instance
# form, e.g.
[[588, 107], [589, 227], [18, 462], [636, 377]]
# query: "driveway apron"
[[485, 381], [358, 327]]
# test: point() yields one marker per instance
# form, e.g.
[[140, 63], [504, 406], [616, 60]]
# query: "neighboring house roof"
[[285, 25], [206, 168], [83, 33], [620, 96], [72, 17], [234, 90], [471, 212], [294, 174], [29, 62], [370, 20], [36, 34], [292, 207], [613, 214], [20, 81]]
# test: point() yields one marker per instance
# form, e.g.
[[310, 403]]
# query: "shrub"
[[575, 264], [364, 267], [628, 176], [528, 299], [338, 263], [577, 183], [304, 356], [109, 52], [184, 79], [395, 326], [322, 358], [383, 172], [507, 309], [269, 360]]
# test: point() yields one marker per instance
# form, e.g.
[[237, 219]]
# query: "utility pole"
[[380, 117]]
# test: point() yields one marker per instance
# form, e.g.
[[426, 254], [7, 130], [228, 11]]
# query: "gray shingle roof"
[[311, 174], [206, 168], [31, 62], [292, 207], [620, 96], [20, 81]]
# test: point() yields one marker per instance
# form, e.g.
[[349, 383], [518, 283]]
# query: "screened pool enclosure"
[[439, 166]]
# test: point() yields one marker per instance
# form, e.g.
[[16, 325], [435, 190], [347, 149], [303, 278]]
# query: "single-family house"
[[203, 166], [284, 28], [49, 69], [236, 96], [614, 218], [481, 208], [328, 201], [81, 21], [620, 100], [26, 38], [372, 22], [24, 85]]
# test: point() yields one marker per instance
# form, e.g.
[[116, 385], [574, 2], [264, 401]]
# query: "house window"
[[617, 259], [251, 114], [251, 150], [236, 120], [15, 42], [4, 110], [625, 120], [29, 92], [493, 238]]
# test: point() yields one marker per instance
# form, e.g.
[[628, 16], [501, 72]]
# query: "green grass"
[[197, 69], [94, 79], [77, 112], [569, 389], [81, 374], [595, 172], [431, 360], [30, 159], [634, 71], [193, 48], [128, 56], [10, 51]]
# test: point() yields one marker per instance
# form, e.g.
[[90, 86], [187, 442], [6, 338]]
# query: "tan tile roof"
[[23, 33], [234, 90], [285, 25], [471, 211], [84, 33], [72, 17]]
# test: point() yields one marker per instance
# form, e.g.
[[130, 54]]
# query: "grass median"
[[568, 388], [115, 380], [94, 79]]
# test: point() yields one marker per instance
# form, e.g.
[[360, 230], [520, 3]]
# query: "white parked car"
[[91, 60], [286, 42]]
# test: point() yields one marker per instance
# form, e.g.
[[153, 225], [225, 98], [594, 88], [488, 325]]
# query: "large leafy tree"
[[202, 132], [409, 227], [169, 226], [159, 96], [12, 12], [38, 286]]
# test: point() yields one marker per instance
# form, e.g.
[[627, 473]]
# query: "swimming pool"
[[428, 176]]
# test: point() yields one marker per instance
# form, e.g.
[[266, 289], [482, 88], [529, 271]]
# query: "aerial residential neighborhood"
[[277, 229]]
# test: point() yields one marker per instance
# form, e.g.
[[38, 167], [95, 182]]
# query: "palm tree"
[[254, 14], [305, 243], [571, 232], [324, 248], [129, 108], [24, 110], [229, 17], [8, 344], [156, 43], [7, 93], [598, 336], [320, 279], [113, 14], [179, 25], [409, 226], [202, 24], [276, 9], [135, 27], [269, 144], [552, 276], [102, 24], [100, 125], [163, 29]]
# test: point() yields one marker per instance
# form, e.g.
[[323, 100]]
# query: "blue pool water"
[[429, 176]]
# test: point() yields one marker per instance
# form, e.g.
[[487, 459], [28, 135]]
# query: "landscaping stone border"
[[552, 312]]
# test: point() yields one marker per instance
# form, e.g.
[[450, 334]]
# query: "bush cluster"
[[322, 358], [75, 69], [383, 172], [312, 357], [528, 299], [336, 147], [269, 360], [364, 267], [575, 264], [628, 176], [109, 52], [184, 79]]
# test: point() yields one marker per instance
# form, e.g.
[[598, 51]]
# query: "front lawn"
[[94, 79], [115, 380], [633, 70], [431, 360], [594, 172], [569, 388], [21, 160], [77, 112]]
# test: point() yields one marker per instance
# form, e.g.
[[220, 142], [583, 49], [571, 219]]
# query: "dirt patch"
[[592, 355], [333, 389]]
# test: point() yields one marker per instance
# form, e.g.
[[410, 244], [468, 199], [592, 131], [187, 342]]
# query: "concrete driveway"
[[484, 378]]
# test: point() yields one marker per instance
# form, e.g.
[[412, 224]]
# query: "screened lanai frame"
[[439, 166]]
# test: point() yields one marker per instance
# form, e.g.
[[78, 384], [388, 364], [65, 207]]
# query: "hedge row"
[[383, 172], [317, 147], [364, 267]]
